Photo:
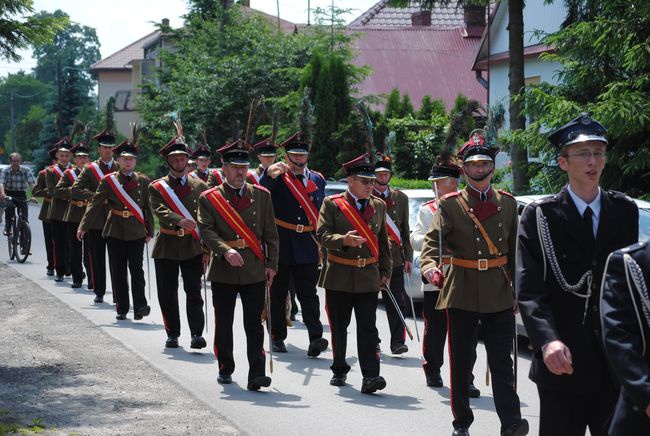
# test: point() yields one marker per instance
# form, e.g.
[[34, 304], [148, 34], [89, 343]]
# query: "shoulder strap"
[[493, 248]]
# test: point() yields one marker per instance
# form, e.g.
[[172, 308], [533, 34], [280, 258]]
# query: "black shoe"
[[171, 342], [279, 347], [434, 380], [399, 349], [338, 380], [50, 272], [89, 287], [378, 348], [317, 346], [372, 384], [98, 299], [259, 382], [460, 431], [198, 342], [224, 379], [58, 279], [68, 274], [120, 316], [519, 428], [75, 285], [292, 317], [473, 391], [141, 313]]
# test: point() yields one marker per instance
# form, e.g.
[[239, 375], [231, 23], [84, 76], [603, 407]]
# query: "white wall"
[[109, 83]]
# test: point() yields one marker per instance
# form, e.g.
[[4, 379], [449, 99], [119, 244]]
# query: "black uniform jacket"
[[549, 313], [626, 336]]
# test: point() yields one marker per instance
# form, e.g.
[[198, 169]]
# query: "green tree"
[[393, 107], [405, 106], [429, 107], [19, 28], [605, 71], [27, 131]]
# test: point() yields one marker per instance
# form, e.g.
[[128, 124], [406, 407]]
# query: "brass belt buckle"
[[361, 263], [125, 214], [300, 228], [180, 232], [240, 244], [482, 264]]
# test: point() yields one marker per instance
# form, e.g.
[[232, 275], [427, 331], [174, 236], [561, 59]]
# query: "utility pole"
[[278, 6], [332, 37], [309, 12], [12, 143]]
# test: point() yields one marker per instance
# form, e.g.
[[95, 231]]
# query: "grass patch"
[[11, 428]]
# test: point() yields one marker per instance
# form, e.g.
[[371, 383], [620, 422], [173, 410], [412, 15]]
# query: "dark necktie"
[[588, 220], [483, 196], [301, 178], [362, 204]]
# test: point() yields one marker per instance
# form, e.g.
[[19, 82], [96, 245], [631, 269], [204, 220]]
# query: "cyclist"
[[14, 182]]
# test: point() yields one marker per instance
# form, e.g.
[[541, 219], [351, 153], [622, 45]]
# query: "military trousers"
[[127, 256], [79, 259], [49, 244], [61, 247], [339, 306], [435, 335], [224, 298], [167, 282], [564, 413], [395, 325], [304, 279], [628, 418], [497, 330], [97, 254]]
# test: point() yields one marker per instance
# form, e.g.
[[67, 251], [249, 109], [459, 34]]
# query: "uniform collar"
[[581, 205]]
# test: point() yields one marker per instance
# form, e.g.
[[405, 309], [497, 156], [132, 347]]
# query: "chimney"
[[421, 18], [165, 22], [474, 20]]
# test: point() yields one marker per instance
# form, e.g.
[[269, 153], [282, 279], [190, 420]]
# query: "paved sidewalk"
[[59, 368]]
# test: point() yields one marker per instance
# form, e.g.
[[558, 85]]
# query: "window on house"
[[125, 100]]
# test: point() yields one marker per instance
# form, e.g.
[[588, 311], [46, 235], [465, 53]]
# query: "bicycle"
[[19, 234]]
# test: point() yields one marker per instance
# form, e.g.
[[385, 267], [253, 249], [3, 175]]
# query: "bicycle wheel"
[[11, 240], [24, 242]]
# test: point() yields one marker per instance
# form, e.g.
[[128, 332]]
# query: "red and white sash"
[[393, 231], [72, 175], [58, 170], [235, 221], [124, 197], [352, 214], [175, 204], [299, 192], [218, 175], [96, 170], [254, 178], [194, 175]]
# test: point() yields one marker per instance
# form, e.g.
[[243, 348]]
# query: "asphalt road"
[[300, 400]]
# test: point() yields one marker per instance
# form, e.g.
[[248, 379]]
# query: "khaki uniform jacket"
[[74, 212], [259, 217], [59, 205], [332, 227], [125, 229], [213, 182], [400, 215], [84, 189], [170, 246], [467, 288], [40, 190]]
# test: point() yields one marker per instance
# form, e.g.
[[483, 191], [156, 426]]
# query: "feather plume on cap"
[[306, 120], [78, 130], [368, 128], [254, 115], [275, 123]]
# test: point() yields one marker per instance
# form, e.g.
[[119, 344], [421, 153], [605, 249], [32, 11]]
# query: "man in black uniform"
[[625, 312], [563, 243]]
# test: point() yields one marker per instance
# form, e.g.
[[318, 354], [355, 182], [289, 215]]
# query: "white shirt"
[[581, 205], [356, 200]]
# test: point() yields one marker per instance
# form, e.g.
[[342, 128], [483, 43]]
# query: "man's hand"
[[270, 274], [187, 224], [80, 235], [2, 196], [33, 200], [147, 239], [408, 267], [277, 169], [233, 258], [352, 240], [206, 262], [557, 358], [647, 411], [384, 281], [435, 276]]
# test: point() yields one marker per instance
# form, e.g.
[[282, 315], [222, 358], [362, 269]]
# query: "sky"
[[120, 22]]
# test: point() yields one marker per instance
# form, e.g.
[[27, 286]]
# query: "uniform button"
[[480, 252], [254, 212], [478, 239], [500, 239], [500, 224], [595, 308], [471, 209], [298, 218], [499, 208], [475, 226]]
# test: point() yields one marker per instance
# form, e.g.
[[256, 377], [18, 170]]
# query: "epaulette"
[[333, 196], [619, 196], [316, 172], [633, 247], [261, 188], [43, 171], [501, 191], [208, 191], [429, 202], [451, 194], [546, 199]]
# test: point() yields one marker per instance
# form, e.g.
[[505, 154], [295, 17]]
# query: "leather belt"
[[122, 213], [298, 228], [79, 203], [360, 262], [239, 244], [480, 264], [179, 232]]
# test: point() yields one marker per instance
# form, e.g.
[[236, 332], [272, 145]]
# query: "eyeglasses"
[[365, 181], [476, 166], [586, 155]]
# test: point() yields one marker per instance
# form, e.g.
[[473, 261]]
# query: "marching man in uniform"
[[129, 226], [297, 194], [625, 314], [174, 199], [73, 214], [352, 227], [267, 152], [478, 229], [563, 243], [40, 190], [84, 189], [397, 225], [201, 156], [237, 224]]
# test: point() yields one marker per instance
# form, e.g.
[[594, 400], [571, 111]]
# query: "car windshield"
[[644, 225], [414, 207]]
